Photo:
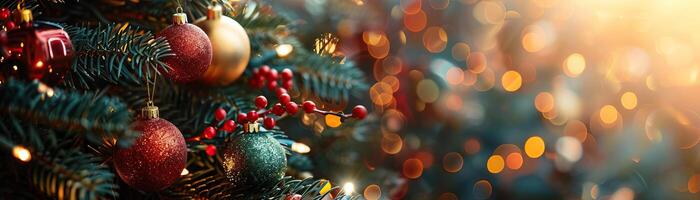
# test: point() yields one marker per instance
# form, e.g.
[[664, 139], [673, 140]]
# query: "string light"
[[21, 153], [300, 147], [349, 188], [184, 172], [283, 50]]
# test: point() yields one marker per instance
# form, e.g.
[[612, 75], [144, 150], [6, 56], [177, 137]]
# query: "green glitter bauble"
[[254, 160]]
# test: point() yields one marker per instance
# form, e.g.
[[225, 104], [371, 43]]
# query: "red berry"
[[220, 114], [264, 70], [4, 13], [285, 98], [271, 85], [269, 123], [278, 109], [257, 81], [9, 25], [242, 118], [261, 102], [288, 84], [211, 150], [279, 91], [286, 74], [252, 116], [309, 106], [292, 108], [272, 75], [229, 126], [359, 112], [209, 132], [293, 197]]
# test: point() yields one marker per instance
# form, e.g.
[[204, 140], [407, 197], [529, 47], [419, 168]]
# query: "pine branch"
[[115, 54], [72, 174], [74, 112], [251, 17]]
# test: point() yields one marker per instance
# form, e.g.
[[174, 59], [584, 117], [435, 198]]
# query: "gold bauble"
[[230, 47]]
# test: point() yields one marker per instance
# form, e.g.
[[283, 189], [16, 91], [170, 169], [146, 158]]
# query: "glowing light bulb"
[[39, 64], [300, 147], [333, 120], [349, 188], [21, 153], [283, 50]]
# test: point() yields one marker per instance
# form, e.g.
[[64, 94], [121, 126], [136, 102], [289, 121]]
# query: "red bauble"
[[359, 112], [260, 102], [192, 49], [309, 106], [36, 51], [269, 123], [4, 13], [156, 158]]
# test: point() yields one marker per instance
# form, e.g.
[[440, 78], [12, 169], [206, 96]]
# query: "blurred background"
[[516, 99]]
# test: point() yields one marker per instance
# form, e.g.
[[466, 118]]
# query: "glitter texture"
[[193, 52], [156, 158], [254, 160]]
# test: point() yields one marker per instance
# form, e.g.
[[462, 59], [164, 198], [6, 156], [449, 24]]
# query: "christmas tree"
[[166, 99]]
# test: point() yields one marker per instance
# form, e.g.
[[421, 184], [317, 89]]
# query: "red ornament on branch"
[[39, 50], [192, 49]]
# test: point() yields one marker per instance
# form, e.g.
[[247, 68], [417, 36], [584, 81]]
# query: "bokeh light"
[[372, 192], [495, 164], [412, 168], [514, 161], [544, 102], [629, 100], [534, 147], [608, 114], [427, 91], [511, 81], [452, 162], [482, 189], [391, 143], [574, 65]]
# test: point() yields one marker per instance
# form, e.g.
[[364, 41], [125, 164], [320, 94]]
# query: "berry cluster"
[[285, 105], [266, 76], [5, 16]]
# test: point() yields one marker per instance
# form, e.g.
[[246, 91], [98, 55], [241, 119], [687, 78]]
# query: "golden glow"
[[333, 121], [283, 50], [495, 164], [39, 64], [300, 148], [372, 192], [511, 81], [534, 147], [574, 65], [184, 172], [629, 100], [391, 143], [427, 91], [533, 42], [490, 12], [608, 114], [348, 188], [21, 153], [576, 129]]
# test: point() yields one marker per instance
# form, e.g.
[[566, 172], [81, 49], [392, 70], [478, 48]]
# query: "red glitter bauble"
[[193, 52], [155, 160]]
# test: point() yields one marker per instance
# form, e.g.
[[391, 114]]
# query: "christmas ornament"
[[156, 158], [254, 160], [230, 45], [192, 48], [39, 50]]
